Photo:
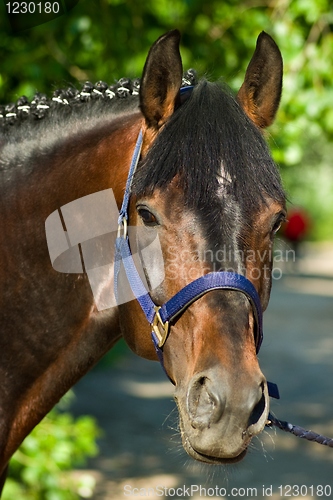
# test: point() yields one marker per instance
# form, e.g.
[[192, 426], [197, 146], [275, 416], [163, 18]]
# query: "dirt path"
[[141, 446]]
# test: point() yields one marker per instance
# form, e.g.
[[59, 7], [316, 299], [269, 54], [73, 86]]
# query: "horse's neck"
[[51, 331]]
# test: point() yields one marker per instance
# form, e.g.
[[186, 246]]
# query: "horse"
[[205, 185]]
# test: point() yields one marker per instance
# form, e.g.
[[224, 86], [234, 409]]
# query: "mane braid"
[[40, 105]]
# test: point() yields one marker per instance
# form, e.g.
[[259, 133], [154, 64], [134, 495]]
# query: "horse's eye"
[[147, 217], [278, 223]]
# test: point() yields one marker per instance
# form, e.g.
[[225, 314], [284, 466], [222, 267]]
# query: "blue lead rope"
[[161, 317], [298, 431]]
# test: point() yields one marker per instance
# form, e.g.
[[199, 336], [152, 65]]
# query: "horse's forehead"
[[215, 216]]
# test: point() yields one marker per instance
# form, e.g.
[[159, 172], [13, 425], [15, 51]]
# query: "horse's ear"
[[161, 80], [261, 91]]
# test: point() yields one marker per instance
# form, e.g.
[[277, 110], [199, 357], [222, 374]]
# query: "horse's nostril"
[[205, 403], [259, 408], [257, 411]]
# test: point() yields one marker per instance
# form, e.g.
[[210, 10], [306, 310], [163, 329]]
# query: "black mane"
[[209, 130]]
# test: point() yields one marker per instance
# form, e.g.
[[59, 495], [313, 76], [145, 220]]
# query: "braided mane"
[[41, 104]]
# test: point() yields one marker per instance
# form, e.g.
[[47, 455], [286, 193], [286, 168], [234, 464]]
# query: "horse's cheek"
[[136, 331]]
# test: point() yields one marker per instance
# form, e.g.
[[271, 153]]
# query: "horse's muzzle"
[[217, 422]]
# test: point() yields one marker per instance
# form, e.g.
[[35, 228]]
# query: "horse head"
[[207, 187]]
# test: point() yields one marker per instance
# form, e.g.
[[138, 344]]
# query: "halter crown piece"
[[162, 317]]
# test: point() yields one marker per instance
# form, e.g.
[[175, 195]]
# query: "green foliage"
[[108, 39], [40, 469]]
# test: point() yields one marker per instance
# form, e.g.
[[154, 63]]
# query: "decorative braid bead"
[[190, 77], [40, 104]]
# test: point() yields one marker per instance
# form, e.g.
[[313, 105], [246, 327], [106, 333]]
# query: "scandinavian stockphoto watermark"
[[81, 238], [183, 261]]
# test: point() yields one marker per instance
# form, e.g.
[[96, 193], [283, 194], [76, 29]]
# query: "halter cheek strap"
[[162, 317]]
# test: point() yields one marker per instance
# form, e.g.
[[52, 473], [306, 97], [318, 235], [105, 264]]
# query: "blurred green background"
[[108, 39]]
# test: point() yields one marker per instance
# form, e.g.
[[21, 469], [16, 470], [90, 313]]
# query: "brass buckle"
[[160, 329], [122, 227]]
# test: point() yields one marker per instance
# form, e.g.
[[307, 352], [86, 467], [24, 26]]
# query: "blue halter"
[[162, 317]]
